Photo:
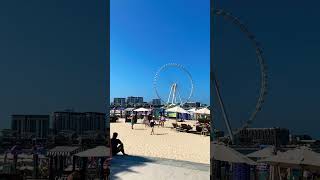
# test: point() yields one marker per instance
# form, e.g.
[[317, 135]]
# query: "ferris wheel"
[[263, 74], [174, 87]]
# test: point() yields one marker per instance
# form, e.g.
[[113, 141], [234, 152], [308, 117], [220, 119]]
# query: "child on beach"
[[152, 122]]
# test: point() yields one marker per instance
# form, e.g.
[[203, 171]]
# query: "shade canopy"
[[142, 110], [177, 109], [203, 111], [222, 152], [99, 151], [301, 156], [262, 153]]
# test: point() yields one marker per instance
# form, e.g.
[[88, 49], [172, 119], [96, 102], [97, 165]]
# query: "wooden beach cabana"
[[59, 157]]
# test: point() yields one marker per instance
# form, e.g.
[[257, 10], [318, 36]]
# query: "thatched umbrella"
[[221, 152], [301, 157], [101, 152], [263, 153]]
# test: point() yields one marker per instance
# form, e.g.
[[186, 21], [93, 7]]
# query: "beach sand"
[[166, 143]]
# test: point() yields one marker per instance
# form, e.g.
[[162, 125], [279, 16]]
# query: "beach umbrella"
[[203, 111], [101, 152], [141, 110], [177, 109], [263, 153], [221, 152], [298, 157]]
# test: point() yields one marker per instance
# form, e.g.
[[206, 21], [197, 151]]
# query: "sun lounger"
[[186, 127], [177, 127]]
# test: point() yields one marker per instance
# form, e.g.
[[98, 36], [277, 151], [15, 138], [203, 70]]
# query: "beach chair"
[[177, 127], [186, 127]]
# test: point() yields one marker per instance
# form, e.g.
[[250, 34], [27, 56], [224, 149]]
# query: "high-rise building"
[[266, 136], [35, 125], [156, 102], [78, 122], [134, 100], [119, 102]]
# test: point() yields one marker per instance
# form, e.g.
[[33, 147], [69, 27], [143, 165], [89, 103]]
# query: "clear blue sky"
[[289, 34], [148, 34]]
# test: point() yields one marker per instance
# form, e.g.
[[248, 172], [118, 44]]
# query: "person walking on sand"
[[152, 122], [132, 121]]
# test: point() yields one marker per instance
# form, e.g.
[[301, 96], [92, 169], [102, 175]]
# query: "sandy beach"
[[166, 143]]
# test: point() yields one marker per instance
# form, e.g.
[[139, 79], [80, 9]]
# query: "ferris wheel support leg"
[[174, 98], [225, 116], [169, 95]]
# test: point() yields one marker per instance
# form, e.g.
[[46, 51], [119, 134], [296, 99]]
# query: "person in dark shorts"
[[152, 123], [135, 117], [116, 145], [132, 121]]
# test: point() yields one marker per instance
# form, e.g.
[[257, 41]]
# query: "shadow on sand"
[[139, 129], [123, 164]]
